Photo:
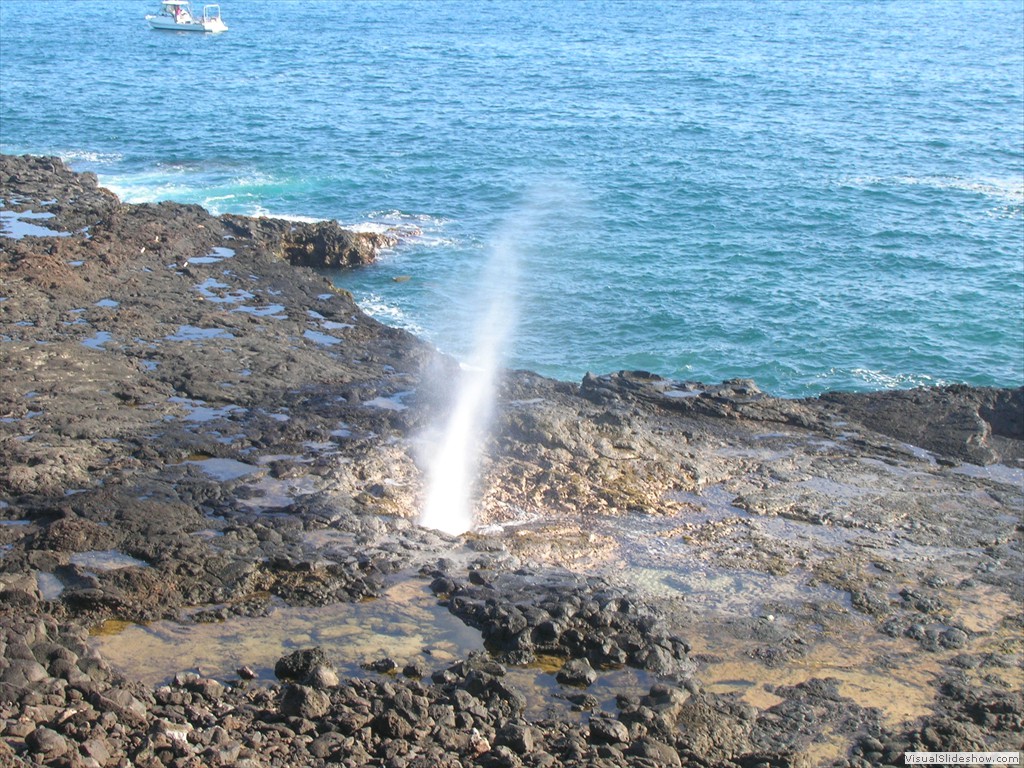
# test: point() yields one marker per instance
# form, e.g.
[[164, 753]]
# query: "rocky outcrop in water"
[[323, 244], [195, 430]]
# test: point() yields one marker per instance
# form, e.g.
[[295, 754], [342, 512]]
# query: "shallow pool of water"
[[224, 470], [392, 403], [324, 339], [276, 493], [106, 560], [275, 311], [218, 254], [406, 625], [14, 225], [198, 410], [194, 333], [97, 341]]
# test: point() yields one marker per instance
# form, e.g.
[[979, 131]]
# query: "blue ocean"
[[816, 195]]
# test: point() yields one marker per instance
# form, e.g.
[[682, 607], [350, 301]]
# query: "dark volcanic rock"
[[304, 701], [576, 672], [322, 244], [586, 620], [310, 666], [195, 429], [978, 425], [47, 743]]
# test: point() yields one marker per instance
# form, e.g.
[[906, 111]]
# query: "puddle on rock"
[[275, 311], [194, 333], [902, 692], [14, 226], [106, 560], [407, 625], [393, 403], [326, 540], [693, 564], [314, 446], [1000, 473], [891, 675], [198, 410], [97, 341], [324, 339], [224, 470], [984, 608], [546, 697], [665, 557], [215, 256], [274, 493], [731, 590]]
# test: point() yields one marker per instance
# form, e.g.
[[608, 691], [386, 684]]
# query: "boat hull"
[[212, 25]]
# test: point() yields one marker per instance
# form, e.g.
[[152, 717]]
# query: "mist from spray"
[[453, 461]]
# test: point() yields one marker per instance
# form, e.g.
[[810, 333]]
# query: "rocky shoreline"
[[198, 429]]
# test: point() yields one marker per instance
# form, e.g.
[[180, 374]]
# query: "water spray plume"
[[452, 467]]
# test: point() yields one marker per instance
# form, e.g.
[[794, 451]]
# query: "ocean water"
[[815, 195]]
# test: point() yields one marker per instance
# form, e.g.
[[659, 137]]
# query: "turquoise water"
[[816, 195]]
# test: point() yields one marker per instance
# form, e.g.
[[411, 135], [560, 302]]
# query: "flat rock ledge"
[[197, 427]]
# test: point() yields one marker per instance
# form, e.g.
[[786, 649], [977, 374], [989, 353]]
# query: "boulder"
[[605, 730], [309, 666], [576, 672], [656, 752], [304, 701], [47, 743]]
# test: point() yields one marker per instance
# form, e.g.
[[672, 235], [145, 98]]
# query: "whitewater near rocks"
[[197, 432]]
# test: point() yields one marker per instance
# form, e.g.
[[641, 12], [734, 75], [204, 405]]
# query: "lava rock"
[[304, 701], [309, 666], [576, 672], [47, 743], [605, 730]]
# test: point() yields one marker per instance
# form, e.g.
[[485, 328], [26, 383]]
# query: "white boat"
[[178, 16]]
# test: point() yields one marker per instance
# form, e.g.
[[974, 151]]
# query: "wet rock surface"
[[196, 430]]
